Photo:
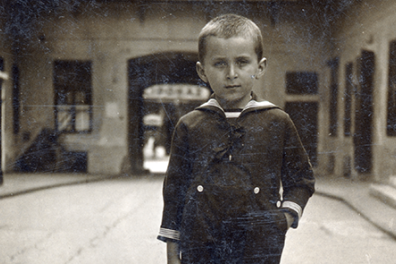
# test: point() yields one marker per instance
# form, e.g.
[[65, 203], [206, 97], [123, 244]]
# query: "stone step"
[[386, 193], [392, 181]]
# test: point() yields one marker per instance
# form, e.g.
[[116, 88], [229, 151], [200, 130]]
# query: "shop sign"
[[180, 92]]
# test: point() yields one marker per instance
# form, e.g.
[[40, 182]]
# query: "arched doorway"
[[148, 71]]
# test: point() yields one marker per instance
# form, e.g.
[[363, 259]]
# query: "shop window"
[[73, 96], [348, 99], [300, 83], [391, 115]]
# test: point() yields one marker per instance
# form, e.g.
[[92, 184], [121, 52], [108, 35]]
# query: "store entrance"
[[162, 87], [163, 105]]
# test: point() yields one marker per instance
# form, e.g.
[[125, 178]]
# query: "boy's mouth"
[[232, 86]]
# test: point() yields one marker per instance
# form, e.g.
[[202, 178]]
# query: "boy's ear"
[[201, 72], [262, 65]]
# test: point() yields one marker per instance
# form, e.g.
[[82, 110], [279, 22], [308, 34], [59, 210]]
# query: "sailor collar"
[[252, 105]]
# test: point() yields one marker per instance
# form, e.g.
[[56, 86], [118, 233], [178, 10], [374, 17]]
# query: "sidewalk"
[[356, 194], [353, 193]]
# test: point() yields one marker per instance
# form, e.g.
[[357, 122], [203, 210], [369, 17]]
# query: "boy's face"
[[231, 66]]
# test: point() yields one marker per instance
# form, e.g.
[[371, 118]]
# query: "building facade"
[[74, 76]]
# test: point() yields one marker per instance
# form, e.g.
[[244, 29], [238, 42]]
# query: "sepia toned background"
[[334, 58]]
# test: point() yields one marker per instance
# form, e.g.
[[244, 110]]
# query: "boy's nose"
[[231, 74]]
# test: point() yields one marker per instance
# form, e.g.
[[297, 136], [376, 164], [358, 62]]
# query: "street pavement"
[[355, 194], [105, 221], [333, 230]]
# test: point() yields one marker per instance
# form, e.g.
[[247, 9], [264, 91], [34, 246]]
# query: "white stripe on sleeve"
[[293, 206], [169, 233]]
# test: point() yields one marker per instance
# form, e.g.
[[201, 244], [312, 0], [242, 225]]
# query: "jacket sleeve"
[[175, 184], [297, 175]]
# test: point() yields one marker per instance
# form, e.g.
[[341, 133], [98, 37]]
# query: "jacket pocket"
[[269, 222], [280, 220]]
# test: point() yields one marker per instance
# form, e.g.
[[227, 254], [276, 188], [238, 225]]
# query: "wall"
[[368, 25]]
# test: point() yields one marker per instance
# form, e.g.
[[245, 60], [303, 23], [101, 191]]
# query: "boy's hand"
[[172, 249], [289, 219]]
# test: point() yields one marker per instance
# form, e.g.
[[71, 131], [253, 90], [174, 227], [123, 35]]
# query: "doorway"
[[305, 118], [158, 75]]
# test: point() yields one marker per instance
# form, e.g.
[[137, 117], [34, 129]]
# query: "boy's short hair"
[[227, 26]]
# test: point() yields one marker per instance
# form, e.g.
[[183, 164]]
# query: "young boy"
[[230, 158]]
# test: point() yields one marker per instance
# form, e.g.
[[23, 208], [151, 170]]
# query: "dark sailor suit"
[[230, 178]]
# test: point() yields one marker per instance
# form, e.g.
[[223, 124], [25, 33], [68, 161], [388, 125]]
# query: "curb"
[[41, 188], [367, 217], [385, 193], [75, 182]]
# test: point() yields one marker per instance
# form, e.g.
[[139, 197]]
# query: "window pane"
[[72, 83], [82, 117], [80, 98], [65, 118], [64, 98]]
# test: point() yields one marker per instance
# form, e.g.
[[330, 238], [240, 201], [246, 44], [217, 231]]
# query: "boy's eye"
[[220, 64], [242, 62]]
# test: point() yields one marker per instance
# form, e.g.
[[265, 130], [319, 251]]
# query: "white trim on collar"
[[252, 104], [232, 114], [262, 104], [212, 102]]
